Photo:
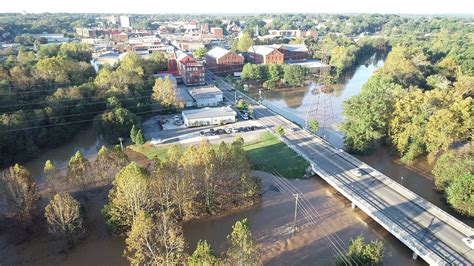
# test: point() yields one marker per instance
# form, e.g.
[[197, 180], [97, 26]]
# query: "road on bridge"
[[430, 232]]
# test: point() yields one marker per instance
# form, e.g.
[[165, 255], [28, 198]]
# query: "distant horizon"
[[243, 7]]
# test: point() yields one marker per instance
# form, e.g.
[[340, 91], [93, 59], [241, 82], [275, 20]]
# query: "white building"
[[206, 96], [209, 116], [125, 22]]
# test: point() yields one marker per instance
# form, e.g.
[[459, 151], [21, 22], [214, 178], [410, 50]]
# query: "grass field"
[[267, 154]]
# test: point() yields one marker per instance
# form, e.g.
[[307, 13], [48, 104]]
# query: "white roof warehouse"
[[209, 116]]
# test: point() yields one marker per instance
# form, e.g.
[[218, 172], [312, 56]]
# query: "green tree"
[[200, 52], [275, 72], [245, 41], [19, 192], [165, 93], [313, 125], [52, 177], [130, 194], [280, 131], [155, 240], [295, 75], [116, 123], [365, 254], [203, 255], [242, 105], [63, 215], [341, 58], [78, 170], [108, 162], [460, 194], [133, 134], [76, 51], [270, 84], [242, 250], [140, 139], [367, 115], [451, 166]]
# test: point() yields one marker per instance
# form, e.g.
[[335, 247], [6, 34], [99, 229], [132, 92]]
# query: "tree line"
[[56, 93], [274, 75], [420, 104]]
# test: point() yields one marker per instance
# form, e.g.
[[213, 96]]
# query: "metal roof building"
[[209, 116]]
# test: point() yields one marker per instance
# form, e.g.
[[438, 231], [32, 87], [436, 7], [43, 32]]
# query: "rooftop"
[[261, 49], [209, 112], [204, 92], [217, 52]]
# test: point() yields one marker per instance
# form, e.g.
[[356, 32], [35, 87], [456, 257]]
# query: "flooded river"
[[270, 219]]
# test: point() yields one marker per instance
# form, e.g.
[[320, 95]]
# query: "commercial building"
[[191, 71], [293, 33], [188, 44], [264, 54], [293, 52], [218, 32], [206, 96], [209, 116], [223, 61]]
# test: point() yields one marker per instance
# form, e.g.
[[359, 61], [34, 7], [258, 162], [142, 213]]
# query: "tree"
[[203, 255], [341, 58], [116, 123], [108, 162], [365, 254], [460, 194], [242, 105], [242, 250], [165, 93], [245, 41], [451, 166], [76, 51], [275, 72], [295, 75], [133, 134], [63, 215], [140, 139], [155, 240], [78, 170], [130, 194], [367, 115], [19, 192], [270, 84], [200, 52], [52, 177], [313, 125], [280, 131]]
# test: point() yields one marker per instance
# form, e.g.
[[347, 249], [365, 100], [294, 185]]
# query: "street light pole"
[[296, 210], [121, 143]]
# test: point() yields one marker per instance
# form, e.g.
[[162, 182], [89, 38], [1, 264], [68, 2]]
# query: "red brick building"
[[293, 51], [264, 54], [191, 71], [222, 61]]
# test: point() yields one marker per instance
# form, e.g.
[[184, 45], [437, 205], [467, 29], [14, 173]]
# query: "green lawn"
[[267, 154], [271, 155]]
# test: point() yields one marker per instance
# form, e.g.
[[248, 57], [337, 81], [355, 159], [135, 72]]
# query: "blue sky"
[[242, 6]]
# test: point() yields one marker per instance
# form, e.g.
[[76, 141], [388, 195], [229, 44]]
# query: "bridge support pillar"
[[353, 205], [414, 256]]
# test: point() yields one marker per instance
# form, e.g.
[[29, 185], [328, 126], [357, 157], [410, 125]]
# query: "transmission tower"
[[321, 107]]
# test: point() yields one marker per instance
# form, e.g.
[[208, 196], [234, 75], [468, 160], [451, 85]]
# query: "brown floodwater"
[[271, 218], [316, 242]]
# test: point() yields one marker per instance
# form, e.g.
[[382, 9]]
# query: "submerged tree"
[[78, 170], [155, 240], [242, 250], [362, 253], [203, 255], [19, 191], [52, 177], [63, 215]]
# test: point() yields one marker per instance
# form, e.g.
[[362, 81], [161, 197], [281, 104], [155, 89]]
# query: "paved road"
[[432, 233]]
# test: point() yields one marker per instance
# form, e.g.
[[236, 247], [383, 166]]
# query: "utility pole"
[[260, 95], [121, 143], [235, 96], [296, 210], [401, 180]]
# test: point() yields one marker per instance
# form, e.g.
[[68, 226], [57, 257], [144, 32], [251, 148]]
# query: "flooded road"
[[316, 242]]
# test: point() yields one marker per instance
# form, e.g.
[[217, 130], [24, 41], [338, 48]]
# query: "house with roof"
[[264, 54], [223, 61]]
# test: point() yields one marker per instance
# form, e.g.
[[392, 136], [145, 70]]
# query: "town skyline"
[[455, 7]]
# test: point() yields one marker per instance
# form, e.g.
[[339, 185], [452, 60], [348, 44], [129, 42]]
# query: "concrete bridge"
[[428, 231]]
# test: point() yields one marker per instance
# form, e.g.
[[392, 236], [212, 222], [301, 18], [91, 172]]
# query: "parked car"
[[220, 131], [292, 129], [356, 172], [228, 130], [244, 115], [469, 241], [154, 141]]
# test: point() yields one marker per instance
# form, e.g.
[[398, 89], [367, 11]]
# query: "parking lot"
[[162, 129]]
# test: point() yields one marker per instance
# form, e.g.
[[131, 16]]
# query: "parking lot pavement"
[[183, 135]]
